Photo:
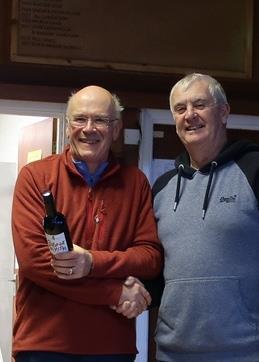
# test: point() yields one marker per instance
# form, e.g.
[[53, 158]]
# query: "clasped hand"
[[134, 298]]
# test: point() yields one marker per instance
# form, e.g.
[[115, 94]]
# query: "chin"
[[196, 137], [88, 158], [84, 156]]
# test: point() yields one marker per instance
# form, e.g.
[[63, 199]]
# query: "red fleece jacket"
[[115, 221]]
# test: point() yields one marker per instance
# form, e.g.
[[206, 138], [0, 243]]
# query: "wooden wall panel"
[[136, 35]]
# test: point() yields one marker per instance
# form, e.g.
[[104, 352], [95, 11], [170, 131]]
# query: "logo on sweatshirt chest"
[[228, 199]]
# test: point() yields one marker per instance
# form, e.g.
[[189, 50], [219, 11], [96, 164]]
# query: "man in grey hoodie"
[[208, 222]]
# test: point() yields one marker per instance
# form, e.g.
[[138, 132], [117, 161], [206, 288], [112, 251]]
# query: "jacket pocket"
[[203, 315]]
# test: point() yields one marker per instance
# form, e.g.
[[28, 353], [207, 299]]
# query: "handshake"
[[77, 263], [134, 298]]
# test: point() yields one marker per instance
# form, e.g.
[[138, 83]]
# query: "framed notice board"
[[167, 36]]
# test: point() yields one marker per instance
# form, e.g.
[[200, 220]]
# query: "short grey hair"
[[215, 88], [117, 106]]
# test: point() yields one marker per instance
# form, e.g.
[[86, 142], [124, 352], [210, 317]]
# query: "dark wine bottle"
[[55, 227]]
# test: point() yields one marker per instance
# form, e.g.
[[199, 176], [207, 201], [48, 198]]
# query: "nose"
[[89, 125], [190, 112]]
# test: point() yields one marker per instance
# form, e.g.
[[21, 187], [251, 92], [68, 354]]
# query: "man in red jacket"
[[80, 305]]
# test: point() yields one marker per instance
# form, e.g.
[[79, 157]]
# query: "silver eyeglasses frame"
[[81, 121]]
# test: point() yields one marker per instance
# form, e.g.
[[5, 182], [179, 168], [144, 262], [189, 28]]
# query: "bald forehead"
[[93, 93], [92, 96]]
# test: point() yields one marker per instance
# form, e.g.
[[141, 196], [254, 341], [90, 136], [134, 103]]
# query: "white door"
[[7, 284]]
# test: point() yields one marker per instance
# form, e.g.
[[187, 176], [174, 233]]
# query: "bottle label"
[[57, 243]]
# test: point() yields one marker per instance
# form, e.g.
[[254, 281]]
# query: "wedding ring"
[[70, 271]]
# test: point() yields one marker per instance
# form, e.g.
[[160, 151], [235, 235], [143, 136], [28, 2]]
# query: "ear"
[[116, 129], [67, 131], [225, 109]]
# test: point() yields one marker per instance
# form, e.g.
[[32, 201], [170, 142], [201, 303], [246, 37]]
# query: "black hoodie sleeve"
[[249, 164]]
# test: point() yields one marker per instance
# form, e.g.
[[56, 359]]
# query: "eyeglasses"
[[97, 121]]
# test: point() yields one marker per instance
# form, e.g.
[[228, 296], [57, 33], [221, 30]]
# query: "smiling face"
[[88, 141], [200, 121]]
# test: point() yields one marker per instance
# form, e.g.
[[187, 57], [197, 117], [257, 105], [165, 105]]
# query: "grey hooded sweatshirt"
[[208, 223]]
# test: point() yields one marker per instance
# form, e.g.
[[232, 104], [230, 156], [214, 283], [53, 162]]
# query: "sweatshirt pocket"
[[203, 315]]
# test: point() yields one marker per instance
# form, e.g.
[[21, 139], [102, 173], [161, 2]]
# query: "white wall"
[[7, 285], [10, 126]]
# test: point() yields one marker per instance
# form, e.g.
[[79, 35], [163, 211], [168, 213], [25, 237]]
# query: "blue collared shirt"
[[90, 178]]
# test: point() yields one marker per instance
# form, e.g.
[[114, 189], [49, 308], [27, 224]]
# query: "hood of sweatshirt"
[[232, 151]]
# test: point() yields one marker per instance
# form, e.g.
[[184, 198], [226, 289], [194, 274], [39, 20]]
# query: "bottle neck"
[[49, 204]]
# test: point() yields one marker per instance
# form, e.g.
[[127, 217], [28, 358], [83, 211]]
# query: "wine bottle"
[[55, 227]]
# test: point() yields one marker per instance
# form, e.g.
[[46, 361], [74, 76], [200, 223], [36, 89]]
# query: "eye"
[[101, 121], [199, 105], [79, 120], [180, 109]]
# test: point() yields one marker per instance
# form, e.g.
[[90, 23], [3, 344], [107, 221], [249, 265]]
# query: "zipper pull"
[[90, 194]]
